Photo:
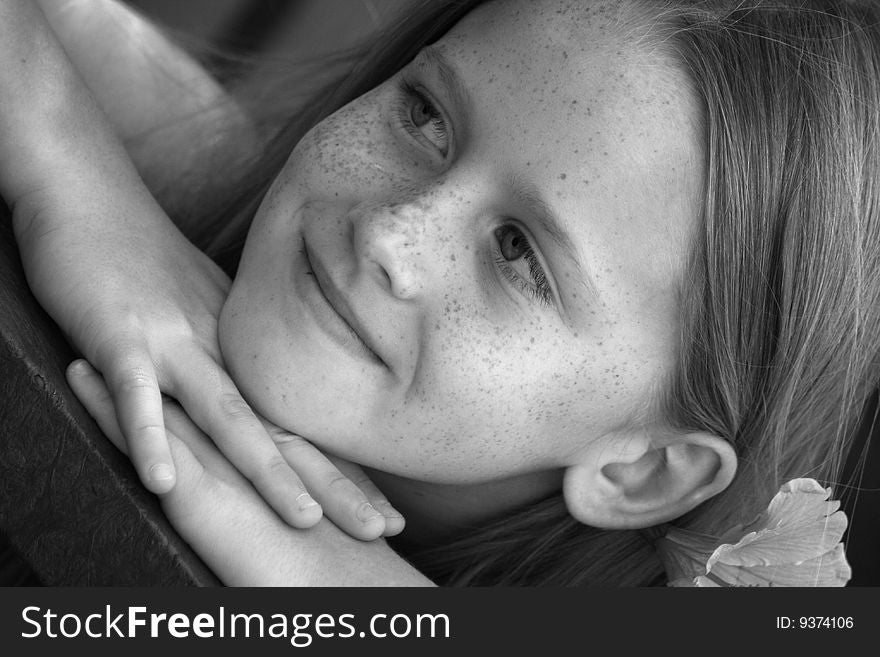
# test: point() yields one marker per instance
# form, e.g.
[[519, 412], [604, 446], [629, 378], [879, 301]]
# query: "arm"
[[220, 515], [133, 295], [138, 76], [49, 121], [171, 115]]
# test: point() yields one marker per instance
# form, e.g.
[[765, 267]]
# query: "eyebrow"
[[432, 57], [528, 196]]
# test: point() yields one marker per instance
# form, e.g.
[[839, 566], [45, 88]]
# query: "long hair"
[[779, 342]]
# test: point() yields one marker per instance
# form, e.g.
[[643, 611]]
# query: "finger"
[[89, 387], [192, 505], [343, 501], [131, 379], [394, 520], [182, 427], [211, 399], [191, 469]]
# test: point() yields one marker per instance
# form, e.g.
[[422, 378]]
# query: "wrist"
[[326, 556]]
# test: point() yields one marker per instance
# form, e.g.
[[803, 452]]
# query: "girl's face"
[[469, 274]]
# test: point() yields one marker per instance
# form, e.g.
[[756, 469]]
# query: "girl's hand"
[[217, 511], [342, 487]]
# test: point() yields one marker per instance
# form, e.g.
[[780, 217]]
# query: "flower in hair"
[[795, 542]]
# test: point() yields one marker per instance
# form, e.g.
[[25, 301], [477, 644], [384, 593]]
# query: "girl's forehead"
[[530, 27], [561, 57]]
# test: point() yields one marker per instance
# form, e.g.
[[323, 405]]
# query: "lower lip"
[[324, 315]]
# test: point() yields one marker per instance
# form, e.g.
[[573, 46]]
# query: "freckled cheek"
[[475, 352], [531, 378], [352, 154]]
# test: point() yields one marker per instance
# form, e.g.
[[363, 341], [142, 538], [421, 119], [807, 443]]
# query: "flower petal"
[[795, 542], [829, 569], [800, 524]]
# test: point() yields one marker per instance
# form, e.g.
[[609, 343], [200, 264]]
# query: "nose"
[[398, 244]]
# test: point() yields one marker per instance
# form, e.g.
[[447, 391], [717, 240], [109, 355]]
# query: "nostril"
[[385, 279]]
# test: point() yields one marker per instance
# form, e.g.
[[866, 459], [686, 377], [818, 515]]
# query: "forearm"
[[320, 556], [246, 544], [54, 140], [174, 119], [137, 75], [90, 79]]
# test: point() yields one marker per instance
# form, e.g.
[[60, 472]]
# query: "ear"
[[637, 481]]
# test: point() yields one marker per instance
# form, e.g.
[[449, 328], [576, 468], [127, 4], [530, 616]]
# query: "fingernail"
[[305, 501], [367, 512], [80, 367], [161, 472]]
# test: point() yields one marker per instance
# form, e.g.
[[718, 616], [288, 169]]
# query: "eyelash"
[[538, 289], [409, 93]]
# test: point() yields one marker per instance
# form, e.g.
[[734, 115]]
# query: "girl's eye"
[[422, 119], [520, 265]]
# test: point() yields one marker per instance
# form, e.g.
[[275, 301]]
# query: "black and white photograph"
[[522, 295]]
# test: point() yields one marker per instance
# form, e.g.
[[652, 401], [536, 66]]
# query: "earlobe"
[[646, 482]]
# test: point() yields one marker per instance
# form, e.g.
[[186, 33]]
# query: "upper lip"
[[337, 301]]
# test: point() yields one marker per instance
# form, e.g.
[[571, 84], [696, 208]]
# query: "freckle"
[[562, 176]]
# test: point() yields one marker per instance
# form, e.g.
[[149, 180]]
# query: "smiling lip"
[[331, 311]]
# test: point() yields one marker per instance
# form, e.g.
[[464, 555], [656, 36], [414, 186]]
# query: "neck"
[[434, 511]]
